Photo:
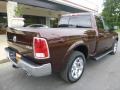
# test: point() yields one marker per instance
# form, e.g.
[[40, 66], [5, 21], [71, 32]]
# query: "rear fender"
[[70, 50]]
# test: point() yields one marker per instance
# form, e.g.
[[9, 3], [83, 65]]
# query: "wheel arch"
[[78, 46], [82, 48]]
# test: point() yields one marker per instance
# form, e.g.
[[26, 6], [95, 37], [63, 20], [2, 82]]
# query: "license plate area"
[[12, 56]]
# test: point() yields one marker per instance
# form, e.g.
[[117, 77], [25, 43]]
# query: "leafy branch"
[[18, 11]]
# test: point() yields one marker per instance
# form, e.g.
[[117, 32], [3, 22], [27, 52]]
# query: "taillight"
[[40, 47]]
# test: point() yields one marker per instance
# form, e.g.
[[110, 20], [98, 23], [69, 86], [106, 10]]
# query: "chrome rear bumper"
[[31, 69]]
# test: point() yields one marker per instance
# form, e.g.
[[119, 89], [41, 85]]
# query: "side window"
[[99, 23]]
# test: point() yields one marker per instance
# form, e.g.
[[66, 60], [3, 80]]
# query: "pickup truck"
[[63, 50]]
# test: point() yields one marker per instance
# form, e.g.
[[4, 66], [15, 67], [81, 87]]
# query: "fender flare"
[[70, 50]]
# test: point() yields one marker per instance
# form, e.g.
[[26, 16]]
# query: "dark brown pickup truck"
[[63, 50]]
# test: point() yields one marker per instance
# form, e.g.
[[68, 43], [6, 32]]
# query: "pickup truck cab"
[[64, 50]]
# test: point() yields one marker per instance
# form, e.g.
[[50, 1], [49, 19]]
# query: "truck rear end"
[[27, 51]]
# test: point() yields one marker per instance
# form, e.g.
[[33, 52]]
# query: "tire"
[[74, 68], [114, 48]]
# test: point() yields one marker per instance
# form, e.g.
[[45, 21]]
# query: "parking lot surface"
[[3, 44]]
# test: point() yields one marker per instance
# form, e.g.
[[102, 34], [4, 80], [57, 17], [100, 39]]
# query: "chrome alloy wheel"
[[77, 68], [115, 47]]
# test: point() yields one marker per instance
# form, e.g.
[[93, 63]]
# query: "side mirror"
[[111, 29]]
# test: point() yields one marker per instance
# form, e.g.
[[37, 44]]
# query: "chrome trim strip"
[[97, 58]]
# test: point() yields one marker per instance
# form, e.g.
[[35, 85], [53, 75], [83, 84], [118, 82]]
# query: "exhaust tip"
[[14, 66]]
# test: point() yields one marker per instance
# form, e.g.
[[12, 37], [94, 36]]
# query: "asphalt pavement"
[[3, 44], [99, 75]]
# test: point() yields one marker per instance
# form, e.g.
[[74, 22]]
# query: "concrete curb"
[[4, 61]]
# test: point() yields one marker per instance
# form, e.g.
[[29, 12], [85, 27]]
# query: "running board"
[[99, 57]]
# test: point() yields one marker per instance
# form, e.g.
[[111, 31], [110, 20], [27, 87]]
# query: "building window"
[[34, 19], [3, 18]]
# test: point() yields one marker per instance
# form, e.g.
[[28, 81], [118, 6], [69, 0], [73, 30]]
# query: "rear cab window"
[[79, 21]]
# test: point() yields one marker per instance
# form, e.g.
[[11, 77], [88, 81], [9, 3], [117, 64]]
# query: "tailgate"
[[21, 40]]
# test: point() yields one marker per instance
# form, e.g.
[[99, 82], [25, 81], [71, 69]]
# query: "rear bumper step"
[[31, 69]]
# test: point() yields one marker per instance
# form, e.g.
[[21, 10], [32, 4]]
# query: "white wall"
[[13, 20]]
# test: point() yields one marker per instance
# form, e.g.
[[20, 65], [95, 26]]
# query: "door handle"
[[101, 35]]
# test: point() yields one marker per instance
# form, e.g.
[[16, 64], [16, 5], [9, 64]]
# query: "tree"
[[111, 12]]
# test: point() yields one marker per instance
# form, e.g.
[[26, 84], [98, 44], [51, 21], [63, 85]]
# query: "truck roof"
[[77, 14]]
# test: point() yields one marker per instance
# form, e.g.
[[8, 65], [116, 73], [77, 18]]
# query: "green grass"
[[118, 30]]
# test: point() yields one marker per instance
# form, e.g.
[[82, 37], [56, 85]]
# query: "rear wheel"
[[74, 68]]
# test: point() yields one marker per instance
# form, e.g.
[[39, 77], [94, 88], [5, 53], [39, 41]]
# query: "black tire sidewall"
[[72, 58]]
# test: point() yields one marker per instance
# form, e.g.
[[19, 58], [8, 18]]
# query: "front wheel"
[[114, 48], [74, 68]]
